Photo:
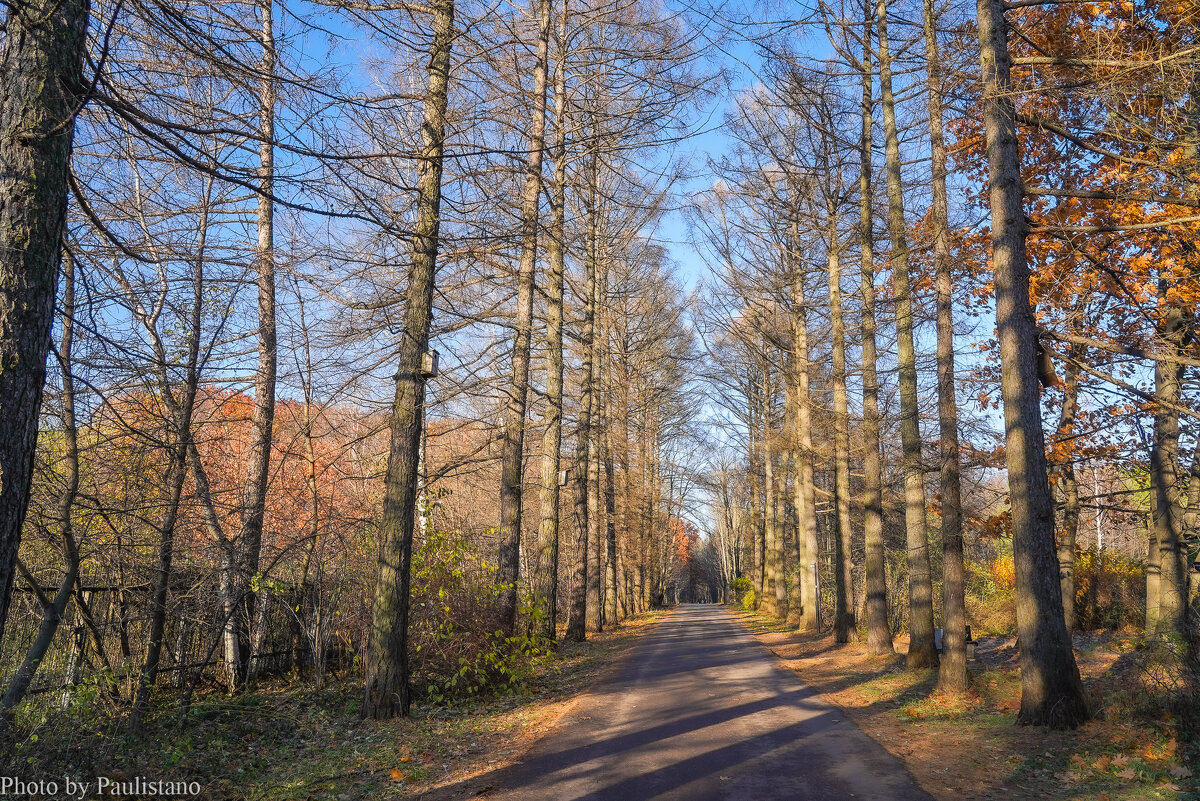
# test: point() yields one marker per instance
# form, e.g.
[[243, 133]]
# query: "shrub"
[[750, 600], [457, 642], [990, 591], [1110, 590], [740, 587]]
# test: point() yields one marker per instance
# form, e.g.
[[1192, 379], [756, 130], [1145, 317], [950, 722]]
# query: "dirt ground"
[[964, 749]]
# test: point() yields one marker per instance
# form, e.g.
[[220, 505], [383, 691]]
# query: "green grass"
[[288, 742]]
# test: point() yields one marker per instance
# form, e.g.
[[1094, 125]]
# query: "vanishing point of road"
[[702, 711]]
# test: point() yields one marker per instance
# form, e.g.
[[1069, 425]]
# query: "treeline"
[[362, 356], [900, 173]]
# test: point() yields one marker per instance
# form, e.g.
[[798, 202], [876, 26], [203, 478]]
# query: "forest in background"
[[370, 354]]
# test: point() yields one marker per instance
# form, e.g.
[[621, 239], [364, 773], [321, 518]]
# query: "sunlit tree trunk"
[[952, 672], [806, 489], [772, 584], [1069, 487], [238, 628], [579, 613], [1051, 691], [548, 530], [387, 692], [922, 652], [512, 455], [879, 633]]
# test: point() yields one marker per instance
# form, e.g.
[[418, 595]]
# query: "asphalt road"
[[702, 711]]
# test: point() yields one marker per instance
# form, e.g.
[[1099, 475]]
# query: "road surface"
[[702, 711]]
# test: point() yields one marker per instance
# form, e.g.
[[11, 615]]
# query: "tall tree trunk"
[[610, 526], [952, 673], [1069, 487], [512, 455], [606, 542], [844, 626], [595, 574], [547, 557], [1153, 556], [922, 652], [386, 690], [758, 551], [1164, 473], [1051, 691], [41, 86], [772, 583], [577, 622], [879, 632], [806, 489], [52, 612], [778, 524], [238, 645], [793, 545]]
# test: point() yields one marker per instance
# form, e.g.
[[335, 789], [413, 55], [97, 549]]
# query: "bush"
[[750, 600], [740, 587], [456, 638], [1110, 590], [990, 591]]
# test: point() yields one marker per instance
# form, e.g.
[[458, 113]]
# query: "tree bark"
[[758, 493], [52, 613], [41, 90], [1172, 615], [879, 632], [386, 690], [774, 600], [512, 455], [805, 489], [239, 636], [922, 652], [1069, 487], [1051, 691], [548, 529], [612, 612], [845, 627], [595, 575], [952, 672], [578, 619]]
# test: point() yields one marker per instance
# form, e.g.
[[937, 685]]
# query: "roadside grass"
[[285, 742], [968, 747]]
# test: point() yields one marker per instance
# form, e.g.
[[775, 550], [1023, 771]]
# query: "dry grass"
[[289, 743]]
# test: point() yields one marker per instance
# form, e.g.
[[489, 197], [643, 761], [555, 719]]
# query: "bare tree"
[[922, 652], [952, 672], [387, 691], [512, 459]]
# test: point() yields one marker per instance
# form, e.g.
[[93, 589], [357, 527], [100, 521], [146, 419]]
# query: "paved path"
[[702, 711]]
